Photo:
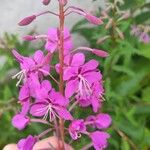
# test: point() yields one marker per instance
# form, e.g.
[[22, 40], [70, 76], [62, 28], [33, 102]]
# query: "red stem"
[[61, 61]]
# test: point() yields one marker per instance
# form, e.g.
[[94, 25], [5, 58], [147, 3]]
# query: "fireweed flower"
[[51, 104], [80, 84], [76, 128], [101, 121], [99, 139], [94, 99], [27, 144], [80, 78], [52, 40], [37, 63]]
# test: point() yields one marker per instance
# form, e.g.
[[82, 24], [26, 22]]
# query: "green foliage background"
[[126, 79]]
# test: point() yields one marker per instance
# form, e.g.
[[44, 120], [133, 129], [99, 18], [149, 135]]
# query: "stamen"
[[84, 87], [20, 75]]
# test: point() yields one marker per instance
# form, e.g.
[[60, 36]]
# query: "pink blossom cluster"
[[42, 103], [141, 32]]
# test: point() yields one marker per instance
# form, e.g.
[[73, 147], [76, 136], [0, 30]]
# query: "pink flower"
[[144, 37], [99, 139], [27, 144], [52, 42], [94, 98], [76, 127], [80, 77], [101, 121], [38, 63], [50, 102]]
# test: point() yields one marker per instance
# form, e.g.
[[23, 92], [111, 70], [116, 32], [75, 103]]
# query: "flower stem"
[[61, 61]]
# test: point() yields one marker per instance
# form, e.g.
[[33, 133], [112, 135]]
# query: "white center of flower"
[[84, 87]]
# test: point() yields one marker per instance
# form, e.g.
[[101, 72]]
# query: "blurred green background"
[[126, 79]]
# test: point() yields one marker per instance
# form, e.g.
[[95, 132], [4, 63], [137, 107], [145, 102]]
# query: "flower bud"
[[27, 20], [46, 2], [29, 38], [100, 53], [93, 19], [63, 2]]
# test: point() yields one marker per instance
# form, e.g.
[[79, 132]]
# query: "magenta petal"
[[25, 107], [71, 88], [103, 121], [92, 77], [51, 46], [99, 139], [27, 144], [68, 45], [24, 92], [90, 65], [95, 102], [64, 113], [78, 59], [19, 121], [18, 57], [38, 56], [38, 109]]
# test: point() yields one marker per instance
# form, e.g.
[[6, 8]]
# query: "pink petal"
[[71, 88], [19, 121], [50, 46], [46, 2], [64, 113], [103, 121], [92, 77], [38, 109], [38, 56], [24, 92], [90, 65], [78, 59]]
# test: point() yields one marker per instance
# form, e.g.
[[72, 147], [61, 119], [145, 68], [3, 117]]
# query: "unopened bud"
[[29, 38], [93, 19], [102, 39], [63, 2], [27, 20], [46, 2]]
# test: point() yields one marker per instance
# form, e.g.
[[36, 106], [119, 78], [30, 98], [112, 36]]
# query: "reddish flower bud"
[[100, 53], [93, 19], [29, 38], [63, 2], [46, 2], [27, 20]]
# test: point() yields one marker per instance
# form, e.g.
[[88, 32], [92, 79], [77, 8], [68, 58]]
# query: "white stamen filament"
[[48, 111], [84, 86], [20, 75]]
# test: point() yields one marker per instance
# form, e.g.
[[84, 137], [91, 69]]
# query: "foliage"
[[126, 78]]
